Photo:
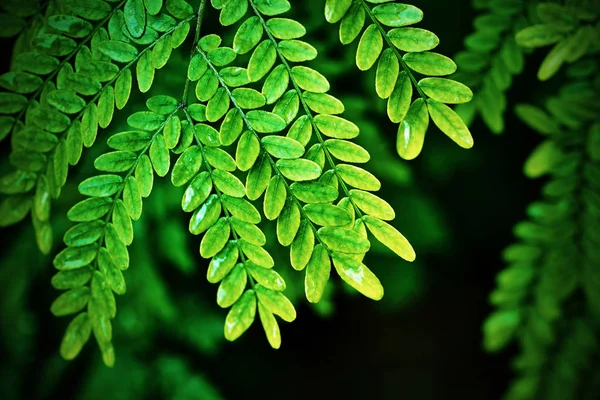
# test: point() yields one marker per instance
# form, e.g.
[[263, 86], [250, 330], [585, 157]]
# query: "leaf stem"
[[200, 17]]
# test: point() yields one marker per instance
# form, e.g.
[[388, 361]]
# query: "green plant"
[[74, 66], [547, 298]]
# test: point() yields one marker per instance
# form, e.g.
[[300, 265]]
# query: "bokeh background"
[[422, 341]]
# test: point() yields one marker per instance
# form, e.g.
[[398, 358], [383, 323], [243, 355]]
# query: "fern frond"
[[73, 88], [407, 53], [571, 28], [491, 58], [547, 298]]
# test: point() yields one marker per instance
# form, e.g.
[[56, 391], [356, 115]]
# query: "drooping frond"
[[490, 60], [548, 298], [404, 53], [571, 28], [66, 84]]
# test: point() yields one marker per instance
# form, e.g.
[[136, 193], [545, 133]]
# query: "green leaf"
[[187, 166], [84, 233], [446, 90], [144, 176], [66, 101], [309, 79], [54, 45], [232, 287], [101, 185], [90, 9], [208, 135], [288, 223], [272, 7], [284, 28], [429, 63], [122, 222], [347, 151], [248, 98], [172, 132], [112, 274], [537, 119], [231, 127], [74, 257], [221, 56], [270, 326], [282, 147], [162, 104], [302, 246], [197, 192], [135, 17], [70, 279], [336, 127], [323, 103], [159, 155], [118, 51], [106, 107], [228, 183], [336, 9], [276, 302], [145, 120], [11, 103], [90, 209], [358, 177], [13, 209], [327, 214], [266, 277], [387, 73], [413, 39], [219, 159], [233, 11], [372, 205], [247, 151], [357, 275], [76, 336], [145, 72], [288, 106], [248, 35], [399, 101], [222, 263], [369, 48], [257, 254], [317, 274], [123, 88], [205, 216], [241, 209], [450, 123], [412, 129], [241, 316], [299, 169], [261, 61], [265, 122], [301, 130], [218, 105], [115, 161], [297, 50], [390, 237], [249, 232], [274, 198], [539, 35], [397, 15], [70, 302], [116, 248], [343, 240], [215, 238], [258, 178], [276, 84], [314, 192], [352, 23]]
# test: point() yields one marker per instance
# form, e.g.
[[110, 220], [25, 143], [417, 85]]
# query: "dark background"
[[425, 343]]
